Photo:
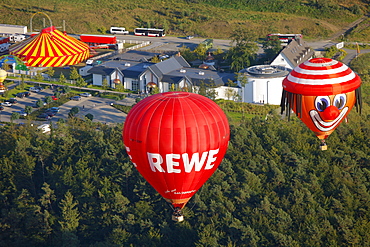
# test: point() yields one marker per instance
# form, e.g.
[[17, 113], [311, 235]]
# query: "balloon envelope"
[[176, 140], [322, 92]]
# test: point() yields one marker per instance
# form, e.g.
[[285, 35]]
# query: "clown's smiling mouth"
[[326, 126]]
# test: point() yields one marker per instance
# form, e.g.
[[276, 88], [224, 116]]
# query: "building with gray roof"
[[293, 54], [176, 72], [172, 73]]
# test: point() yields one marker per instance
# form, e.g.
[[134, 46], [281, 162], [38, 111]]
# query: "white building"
[[263, 84], [293, 54]]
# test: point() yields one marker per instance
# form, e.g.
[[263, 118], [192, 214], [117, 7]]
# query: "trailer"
[[95, 39], [12, 29]]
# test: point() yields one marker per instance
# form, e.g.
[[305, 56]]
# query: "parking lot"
[[100, 108]]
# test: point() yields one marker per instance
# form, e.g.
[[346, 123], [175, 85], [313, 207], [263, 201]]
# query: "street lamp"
[[267, 93], [1, 110]]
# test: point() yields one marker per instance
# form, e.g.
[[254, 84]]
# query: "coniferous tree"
[[62, 78], [70, 215]]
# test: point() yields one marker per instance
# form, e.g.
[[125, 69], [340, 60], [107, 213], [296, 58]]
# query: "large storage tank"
[[263, 83]]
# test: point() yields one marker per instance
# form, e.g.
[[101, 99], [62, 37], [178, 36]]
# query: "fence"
[[139, 44]]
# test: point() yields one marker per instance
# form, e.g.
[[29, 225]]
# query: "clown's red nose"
[[330, 113]]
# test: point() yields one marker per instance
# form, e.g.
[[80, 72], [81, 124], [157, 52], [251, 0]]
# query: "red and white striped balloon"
[[322, 92], [321, 76]]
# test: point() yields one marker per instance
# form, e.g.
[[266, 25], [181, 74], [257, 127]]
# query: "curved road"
[[171, 44]]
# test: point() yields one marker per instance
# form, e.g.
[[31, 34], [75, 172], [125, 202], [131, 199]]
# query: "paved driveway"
[[100, 108]]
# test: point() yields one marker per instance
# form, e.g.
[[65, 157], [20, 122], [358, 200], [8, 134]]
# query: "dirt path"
[[348, 28]]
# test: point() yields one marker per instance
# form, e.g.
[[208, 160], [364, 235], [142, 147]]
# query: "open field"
[[204, 18]]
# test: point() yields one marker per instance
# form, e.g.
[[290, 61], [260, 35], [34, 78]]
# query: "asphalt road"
[[100, 108], [170, 44], [22, 103]]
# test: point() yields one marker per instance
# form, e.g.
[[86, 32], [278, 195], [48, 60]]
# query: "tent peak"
[[48, 29]]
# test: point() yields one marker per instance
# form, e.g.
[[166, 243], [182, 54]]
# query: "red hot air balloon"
[[176, 140], [321, 92]]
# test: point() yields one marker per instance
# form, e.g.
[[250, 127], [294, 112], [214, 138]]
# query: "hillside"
[[206, 18]]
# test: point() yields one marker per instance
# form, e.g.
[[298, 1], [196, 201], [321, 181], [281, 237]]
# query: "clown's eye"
[[340, 101], [322, 102]]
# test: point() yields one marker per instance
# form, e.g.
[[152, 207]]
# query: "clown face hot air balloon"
[[176, 140], [321, 92]]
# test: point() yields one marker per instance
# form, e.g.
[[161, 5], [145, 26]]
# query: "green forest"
[[275, 187], [315, 19]]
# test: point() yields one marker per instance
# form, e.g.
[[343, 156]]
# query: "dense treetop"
[[77, 187]]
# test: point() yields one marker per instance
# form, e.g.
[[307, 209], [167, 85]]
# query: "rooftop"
[[266, 71]]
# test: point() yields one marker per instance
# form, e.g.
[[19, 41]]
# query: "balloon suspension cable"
[[171, 206], [195, 203], [195, 199]]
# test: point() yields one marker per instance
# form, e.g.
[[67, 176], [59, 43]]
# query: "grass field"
[[216, 19]]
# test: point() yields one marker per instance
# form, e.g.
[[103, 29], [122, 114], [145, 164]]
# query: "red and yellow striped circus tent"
[[51, 48]]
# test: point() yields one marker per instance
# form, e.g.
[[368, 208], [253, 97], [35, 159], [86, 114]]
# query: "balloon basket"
[[178, 218], [177, 215], [323, 146]]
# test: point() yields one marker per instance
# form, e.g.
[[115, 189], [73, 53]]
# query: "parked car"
[[50, 113], [53, 109], [76, 97], [27, 93], [6, 104], [85, 94], [162, 57], [34, 89], [44, 116], [21, 113], [20, 95], [54, 98], [1, 108], [12, 100], [189, 37]]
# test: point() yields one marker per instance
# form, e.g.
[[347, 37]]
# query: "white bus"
[[118, 30], [285, 38], [151, 32]]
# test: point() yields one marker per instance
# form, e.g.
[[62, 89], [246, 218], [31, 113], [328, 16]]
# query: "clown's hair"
[[288, 100], [291, 101], [358, 102]]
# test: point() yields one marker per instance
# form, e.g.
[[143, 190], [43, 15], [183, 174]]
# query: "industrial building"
[[262, 84]]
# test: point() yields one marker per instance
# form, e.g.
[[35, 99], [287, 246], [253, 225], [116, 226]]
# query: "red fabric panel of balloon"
[[176, 141]]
